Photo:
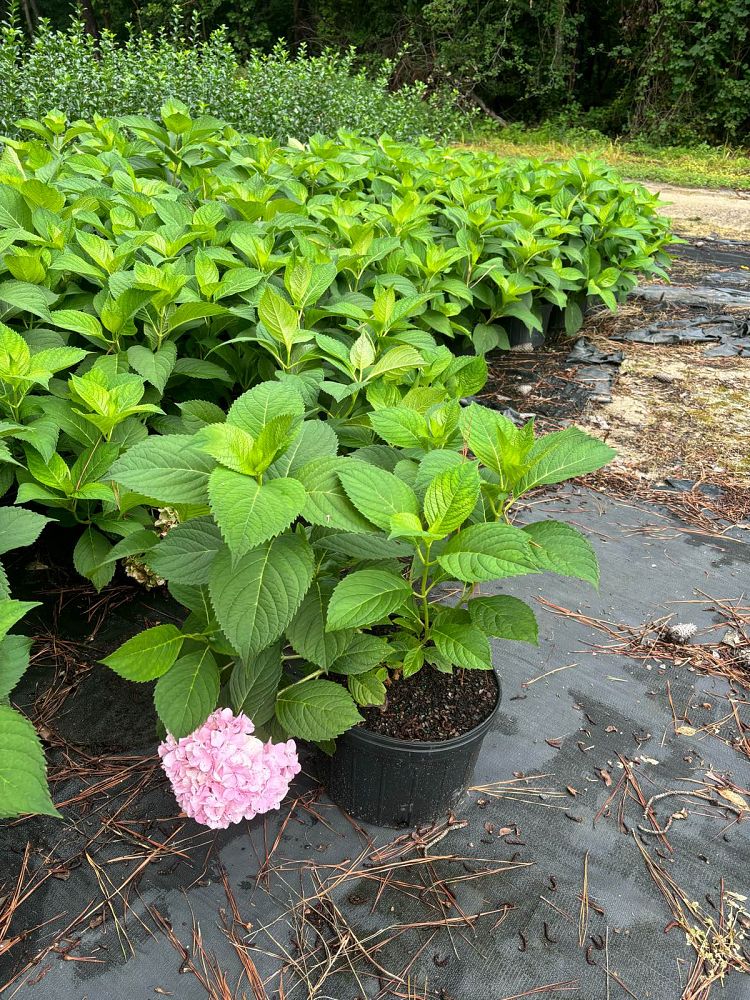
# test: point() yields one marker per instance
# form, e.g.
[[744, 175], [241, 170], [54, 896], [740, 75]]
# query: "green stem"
[[309, 677]]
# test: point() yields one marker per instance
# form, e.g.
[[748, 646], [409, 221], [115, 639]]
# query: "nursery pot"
[[397, 783]]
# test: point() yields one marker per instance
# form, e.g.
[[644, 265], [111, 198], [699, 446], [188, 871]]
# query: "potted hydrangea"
[[337, 599]]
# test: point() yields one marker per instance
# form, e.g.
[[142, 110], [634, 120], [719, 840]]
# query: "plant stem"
[[309, 677]]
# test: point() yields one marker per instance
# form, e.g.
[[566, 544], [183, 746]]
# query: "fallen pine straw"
[[718, 944]]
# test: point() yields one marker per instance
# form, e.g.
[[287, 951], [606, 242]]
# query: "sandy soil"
[[702, 212]]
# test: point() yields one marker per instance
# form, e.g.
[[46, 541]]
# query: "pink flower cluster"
[[221, 774]]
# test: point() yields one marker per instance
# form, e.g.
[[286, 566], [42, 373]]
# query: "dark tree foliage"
[[670, 69]]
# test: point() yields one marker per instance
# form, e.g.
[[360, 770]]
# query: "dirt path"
[[702, 212]]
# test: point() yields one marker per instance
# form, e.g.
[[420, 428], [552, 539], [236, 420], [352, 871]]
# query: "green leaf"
[[366, 597], [278, 316], [316, 710], [257, 407], [504, 617], [187, 693], [248, 513], [462, 645], [368, 689], [90, 558], [362, 654], [186, 553], [27, 297], [450, 497], [256, 598], [253, 685], [154, 366], [23, 774], [316, 439], [488, 552], [399, 426], [171, 470], [14, 660], [307, 632], [377, 494], [561, 548], [147, 655], [327, 504], [564, 455], [19, 527]]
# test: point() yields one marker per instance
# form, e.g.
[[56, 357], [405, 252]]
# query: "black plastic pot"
[[399, 783]]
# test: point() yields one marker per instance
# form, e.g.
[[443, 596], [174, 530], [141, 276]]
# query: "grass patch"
[[696, 166]]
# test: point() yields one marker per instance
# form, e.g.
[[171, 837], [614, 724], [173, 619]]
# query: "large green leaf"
[[259, 405], [254, 682], [23, 774], [504, 617], [450, 497], [488, 552], [256, 597], [187, 694], [249, 513], [462, 645], [19, 527], [170, 470], [362, 654], [154, 366], [561, 548], [307, 630], [564, 455], [147, 655], [316, 710], [365, 597], [327, 504], [316, 439], [377, 494], [187, 552]]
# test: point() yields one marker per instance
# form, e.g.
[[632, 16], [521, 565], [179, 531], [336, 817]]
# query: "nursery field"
[[307, 440]]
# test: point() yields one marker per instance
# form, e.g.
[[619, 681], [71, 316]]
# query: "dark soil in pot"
[[395, 781], [433, 706]]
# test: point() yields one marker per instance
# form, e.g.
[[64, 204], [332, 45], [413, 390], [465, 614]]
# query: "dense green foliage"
[[269, 94], [224, 362], [673, 69]]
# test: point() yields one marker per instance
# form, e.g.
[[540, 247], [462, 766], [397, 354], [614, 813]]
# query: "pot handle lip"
[[378, 741]]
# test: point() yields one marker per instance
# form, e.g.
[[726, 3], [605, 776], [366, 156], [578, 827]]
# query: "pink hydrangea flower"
[[222, 774]]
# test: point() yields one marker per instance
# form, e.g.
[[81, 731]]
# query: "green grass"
[[696, 166]]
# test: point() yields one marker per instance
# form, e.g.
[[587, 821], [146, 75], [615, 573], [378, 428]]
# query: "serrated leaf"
[[362, 654], [399, 426], [316, 439], [504, 618], [316, 710], [450, 497], [368, 689], [19, 527], [327, 503], [563, 455], [186, 553], [248, 513], [14, 660], [253, 685], [366, 597], [258, 406], [377, 494], [23, 773], [187, 694], [255, 598], [462, 645], [171, 470], [307, 632], [561, 548], [484, 552], [153, 366], [147, 655]]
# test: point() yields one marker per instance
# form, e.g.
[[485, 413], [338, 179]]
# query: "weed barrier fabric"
[[571, 712]]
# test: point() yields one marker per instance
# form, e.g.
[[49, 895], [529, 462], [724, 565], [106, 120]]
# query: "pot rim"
[[381, 741]]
